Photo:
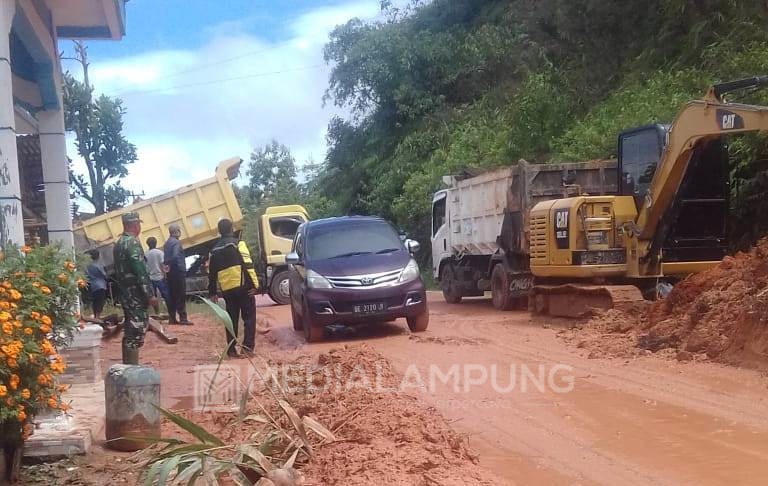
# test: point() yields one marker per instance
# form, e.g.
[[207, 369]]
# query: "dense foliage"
[[38, 295], [450, 84]]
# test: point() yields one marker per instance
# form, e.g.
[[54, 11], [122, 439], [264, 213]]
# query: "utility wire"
[[217, 81], [206, 66]]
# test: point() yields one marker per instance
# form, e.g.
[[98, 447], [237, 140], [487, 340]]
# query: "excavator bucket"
[[575, 300]]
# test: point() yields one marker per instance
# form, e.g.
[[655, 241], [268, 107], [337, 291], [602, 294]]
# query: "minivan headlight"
[[410, 272], [317, 281]]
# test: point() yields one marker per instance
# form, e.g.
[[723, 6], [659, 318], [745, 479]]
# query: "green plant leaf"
[[185, 450], [168, 466], [221, 315], [195, 430], [149, 479], [190, 472]]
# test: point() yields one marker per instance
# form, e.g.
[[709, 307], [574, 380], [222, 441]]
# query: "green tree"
[[271, 176], [98, 127]]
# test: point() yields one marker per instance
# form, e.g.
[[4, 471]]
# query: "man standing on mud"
[[231, 271], [176, 277], [134, 289]]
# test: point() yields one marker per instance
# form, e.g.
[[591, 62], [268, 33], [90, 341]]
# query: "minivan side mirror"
[[412, 245], [293, 258]]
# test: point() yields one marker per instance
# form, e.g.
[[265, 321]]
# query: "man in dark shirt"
[[97, 283], [231, 272], [174, 259]]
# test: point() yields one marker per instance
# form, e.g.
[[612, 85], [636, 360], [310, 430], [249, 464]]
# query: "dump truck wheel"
[[502, 299], [279, 288], [450, 285]]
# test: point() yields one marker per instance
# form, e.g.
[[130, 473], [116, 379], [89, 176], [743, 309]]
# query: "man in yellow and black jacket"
[[231, 273]]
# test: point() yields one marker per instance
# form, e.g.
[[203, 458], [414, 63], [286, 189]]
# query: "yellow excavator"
[[669, 219]]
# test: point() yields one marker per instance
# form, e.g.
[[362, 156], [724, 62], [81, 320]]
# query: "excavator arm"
[[697, 123]]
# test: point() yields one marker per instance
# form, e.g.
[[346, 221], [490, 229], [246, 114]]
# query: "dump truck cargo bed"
[[196, 207]]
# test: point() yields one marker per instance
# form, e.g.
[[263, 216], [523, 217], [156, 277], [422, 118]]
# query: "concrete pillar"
[[11, 218], [53, 152]]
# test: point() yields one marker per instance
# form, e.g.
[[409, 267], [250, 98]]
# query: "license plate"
[[369, 308]]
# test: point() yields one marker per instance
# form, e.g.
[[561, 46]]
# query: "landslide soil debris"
[[719, 314], [385, 436]]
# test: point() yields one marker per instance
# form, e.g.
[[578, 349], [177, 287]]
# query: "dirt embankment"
[[720, 314]]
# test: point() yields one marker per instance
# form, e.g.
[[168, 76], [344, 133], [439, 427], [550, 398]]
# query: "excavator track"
[[576, 300]]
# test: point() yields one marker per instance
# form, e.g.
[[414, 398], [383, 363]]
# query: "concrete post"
[[53, 152], [11, 218]]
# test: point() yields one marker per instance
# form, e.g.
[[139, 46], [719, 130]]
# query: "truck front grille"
[[366, 281]]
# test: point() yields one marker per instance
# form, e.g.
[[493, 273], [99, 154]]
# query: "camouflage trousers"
[[134, 331]]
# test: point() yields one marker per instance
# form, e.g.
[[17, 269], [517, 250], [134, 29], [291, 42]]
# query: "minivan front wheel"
[[419, 322], [311, 333], [298, 325]]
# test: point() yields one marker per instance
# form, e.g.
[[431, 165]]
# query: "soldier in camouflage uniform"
[[134, 287]]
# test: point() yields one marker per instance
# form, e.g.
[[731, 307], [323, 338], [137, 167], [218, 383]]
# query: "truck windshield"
[[284, 227], [438, 214], [352, 238]]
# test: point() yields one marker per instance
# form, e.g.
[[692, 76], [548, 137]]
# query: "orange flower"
[[42, 379], [16, 324], [63, 406], [46, 348], [63, 278], [12, 363], [45, 320], [25, 249], [28, 331], [81, 283], [53, 403], [14, 381], [69, 266], [14, 295], [7, 328], [36, 284], [21, 415], [25, 394], [5, 305], [45, 290], [6, 285], [4, 316], [62, 388], [3, 390], [45, 329], [34, 315]]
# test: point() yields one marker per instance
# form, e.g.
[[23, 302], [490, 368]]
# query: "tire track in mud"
[[643, 383]]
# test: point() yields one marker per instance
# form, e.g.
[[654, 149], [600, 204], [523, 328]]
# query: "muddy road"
[[539, 411]]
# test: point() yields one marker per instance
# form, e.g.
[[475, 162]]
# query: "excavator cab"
[[695, 225], [639, 154]]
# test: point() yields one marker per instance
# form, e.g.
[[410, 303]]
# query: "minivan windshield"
[[352, 238]]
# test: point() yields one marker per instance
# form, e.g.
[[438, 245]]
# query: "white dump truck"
[[480, 235]]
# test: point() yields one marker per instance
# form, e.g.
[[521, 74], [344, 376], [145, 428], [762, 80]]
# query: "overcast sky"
[[205, 80]]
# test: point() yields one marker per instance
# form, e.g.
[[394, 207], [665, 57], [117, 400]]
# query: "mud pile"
[[722, 312], [385, 436]]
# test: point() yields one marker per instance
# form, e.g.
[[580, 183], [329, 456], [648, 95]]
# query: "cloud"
[[189, 109]]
